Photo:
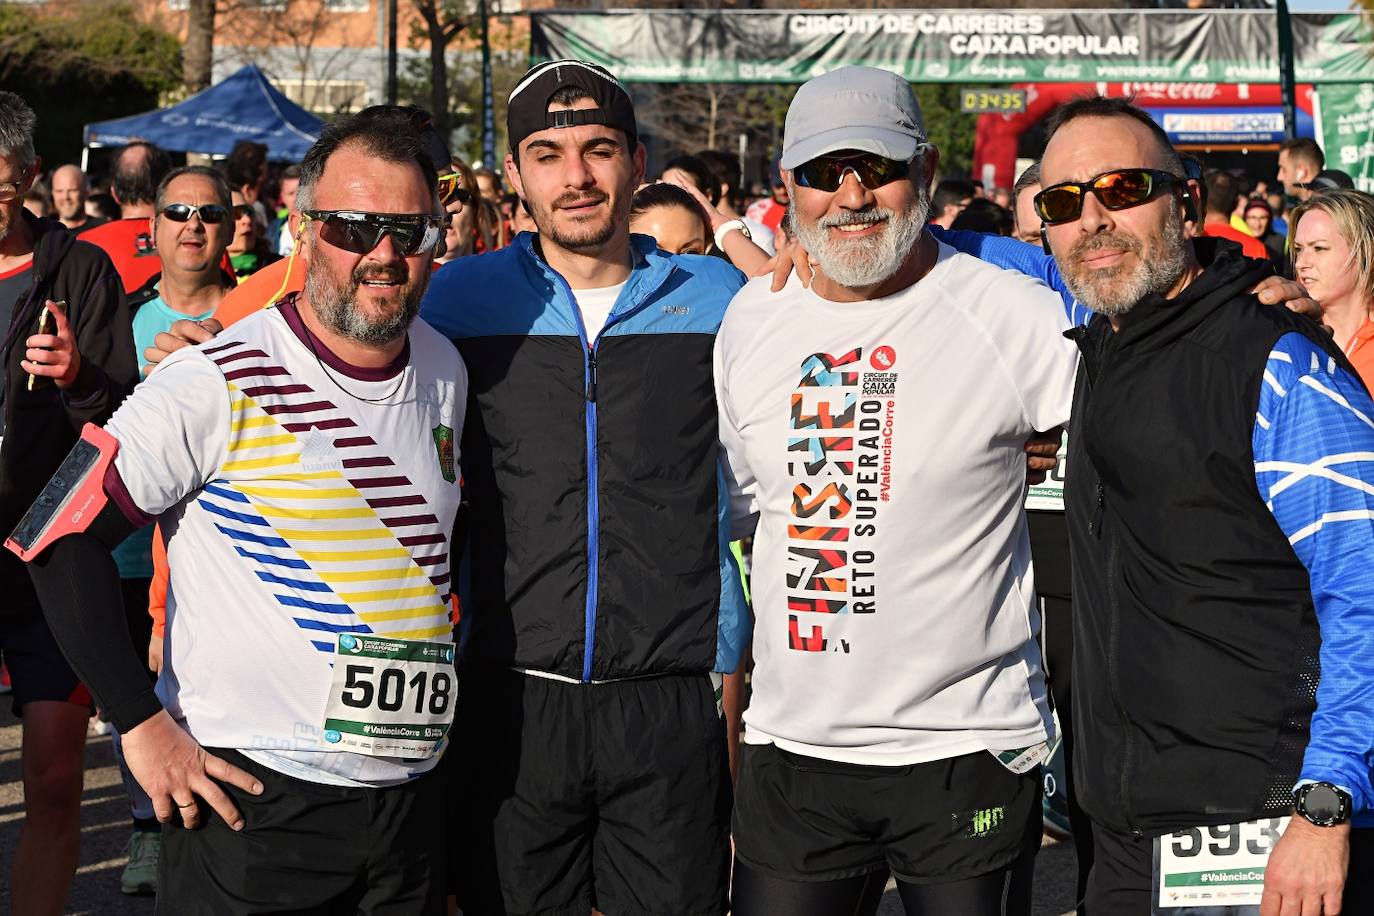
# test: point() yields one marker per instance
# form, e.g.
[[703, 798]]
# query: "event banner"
[[1347, 119], [956, 46]]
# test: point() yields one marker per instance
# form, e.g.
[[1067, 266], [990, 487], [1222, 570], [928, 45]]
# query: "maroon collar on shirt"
[[289, 311]]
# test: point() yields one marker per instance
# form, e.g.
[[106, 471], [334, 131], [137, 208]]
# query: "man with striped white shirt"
[[303, 469]]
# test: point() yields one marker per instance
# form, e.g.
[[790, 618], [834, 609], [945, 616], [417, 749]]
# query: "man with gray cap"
[[874, 424]]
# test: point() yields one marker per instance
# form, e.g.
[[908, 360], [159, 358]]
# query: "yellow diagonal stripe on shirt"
[[262, 441], [297, 492], [282, 512], [350, 556], [387, 594], [383, 616], [372, 575], [253, 464], [426, 633], [325, 534], [240, 425]]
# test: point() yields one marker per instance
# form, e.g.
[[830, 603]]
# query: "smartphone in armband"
[[47, 324]]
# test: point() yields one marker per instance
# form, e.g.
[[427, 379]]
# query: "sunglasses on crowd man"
[[1119, 189], [208, 213], [359, 232], [826, 173]]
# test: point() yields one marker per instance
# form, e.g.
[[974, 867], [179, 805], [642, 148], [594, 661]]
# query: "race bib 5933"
[[1218, 869]]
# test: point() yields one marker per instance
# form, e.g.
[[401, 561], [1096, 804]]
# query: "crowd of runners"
[[389, 518]]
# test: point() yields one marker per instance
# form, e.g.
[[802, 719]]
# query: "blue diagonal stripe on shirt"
[[232, 516], [301, 584], [226, 493], [268, 560], [263, 539], [306, 623], [293, 601]]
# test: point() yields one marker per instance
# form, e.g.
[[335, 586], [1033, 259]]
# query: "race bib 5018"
[[390, 697]]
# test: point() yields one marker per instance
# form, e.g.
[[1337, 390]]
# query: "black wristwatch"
[[1322, 804]]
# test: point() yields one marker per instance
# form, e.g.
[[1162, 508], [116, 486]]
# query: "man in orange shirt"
[[1222, 193]]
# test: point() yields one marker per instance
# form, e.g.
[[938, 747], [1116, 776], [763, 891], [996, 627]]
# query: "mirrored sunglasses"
[[208, 213], [1117, 190], [826, 173], [358, 232]]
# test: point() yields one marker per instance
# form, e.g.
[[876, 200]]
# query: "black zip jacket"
[[42, 425], [1195, 638], [598, 542]]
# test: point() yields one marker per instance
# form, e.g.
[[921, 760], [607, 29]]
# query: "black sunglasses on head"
[[359, 232], [1119, 189], [826, 173], [208, 213]]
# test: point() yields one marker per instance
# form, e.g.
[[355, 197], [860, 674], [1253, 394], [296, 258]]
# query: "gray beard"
[[865, 262], [1117, 294], [334, 307]]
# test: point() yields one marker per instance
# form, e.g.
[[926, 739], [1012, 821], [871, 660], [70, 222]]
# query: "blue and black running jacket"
[[598, 535]]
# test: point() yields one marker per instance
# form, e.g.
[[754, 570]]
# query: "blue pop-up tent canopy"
[[243, 107]]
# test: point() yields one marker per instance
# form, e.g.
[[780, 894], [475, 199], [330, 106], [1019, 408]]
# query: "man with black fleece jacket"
[[81, 372], [1221, 522]]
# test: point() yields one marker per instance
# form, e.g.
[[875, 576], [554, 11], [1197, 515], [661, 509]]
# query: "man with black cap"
[[899, 709], [598, 592], [1329, 180]]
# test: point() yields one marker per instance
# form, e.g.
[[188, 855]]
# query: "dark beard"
[[336, 307], [582, 239]]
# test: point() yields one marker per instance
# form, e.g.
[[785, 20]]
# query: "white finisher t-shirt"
[[595, 306], [300, 498], [880, 445]]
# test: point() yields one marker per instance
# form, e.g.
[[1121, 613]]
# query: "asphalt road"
[[105, 830]]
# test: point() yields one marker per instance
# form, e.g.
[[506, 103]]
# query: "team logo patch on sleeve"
[[443, 444]]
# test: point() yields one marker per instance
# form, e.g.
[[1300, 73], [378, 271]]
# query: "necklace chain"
[[400, 378]]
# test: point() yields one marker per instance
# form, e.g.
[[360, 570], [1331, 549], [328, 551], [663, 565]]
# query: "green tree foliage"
[[949, 130], [680, 118], [453, 24], [89, 61]]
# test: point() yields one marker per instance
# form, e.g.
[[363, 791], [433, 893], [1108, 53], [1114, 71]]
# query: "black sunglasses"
[[826, 173], [1117, 190], [358, 232], [241, 210], [208, 213]]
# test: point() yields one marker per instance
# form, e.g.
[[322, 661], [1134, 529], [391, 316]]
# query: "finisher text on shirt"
[[840, 483]]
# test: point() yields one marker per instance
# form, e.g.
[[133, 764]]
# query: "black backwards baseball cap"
[[1330, 180], [527, 111]]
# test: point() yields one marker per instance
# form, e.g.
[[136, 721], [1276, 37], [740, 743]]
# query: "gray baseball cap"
[[860, 108]]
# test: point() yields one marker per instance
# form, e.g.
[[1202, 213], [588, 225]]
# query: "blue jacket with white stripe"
[[597, 540]]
